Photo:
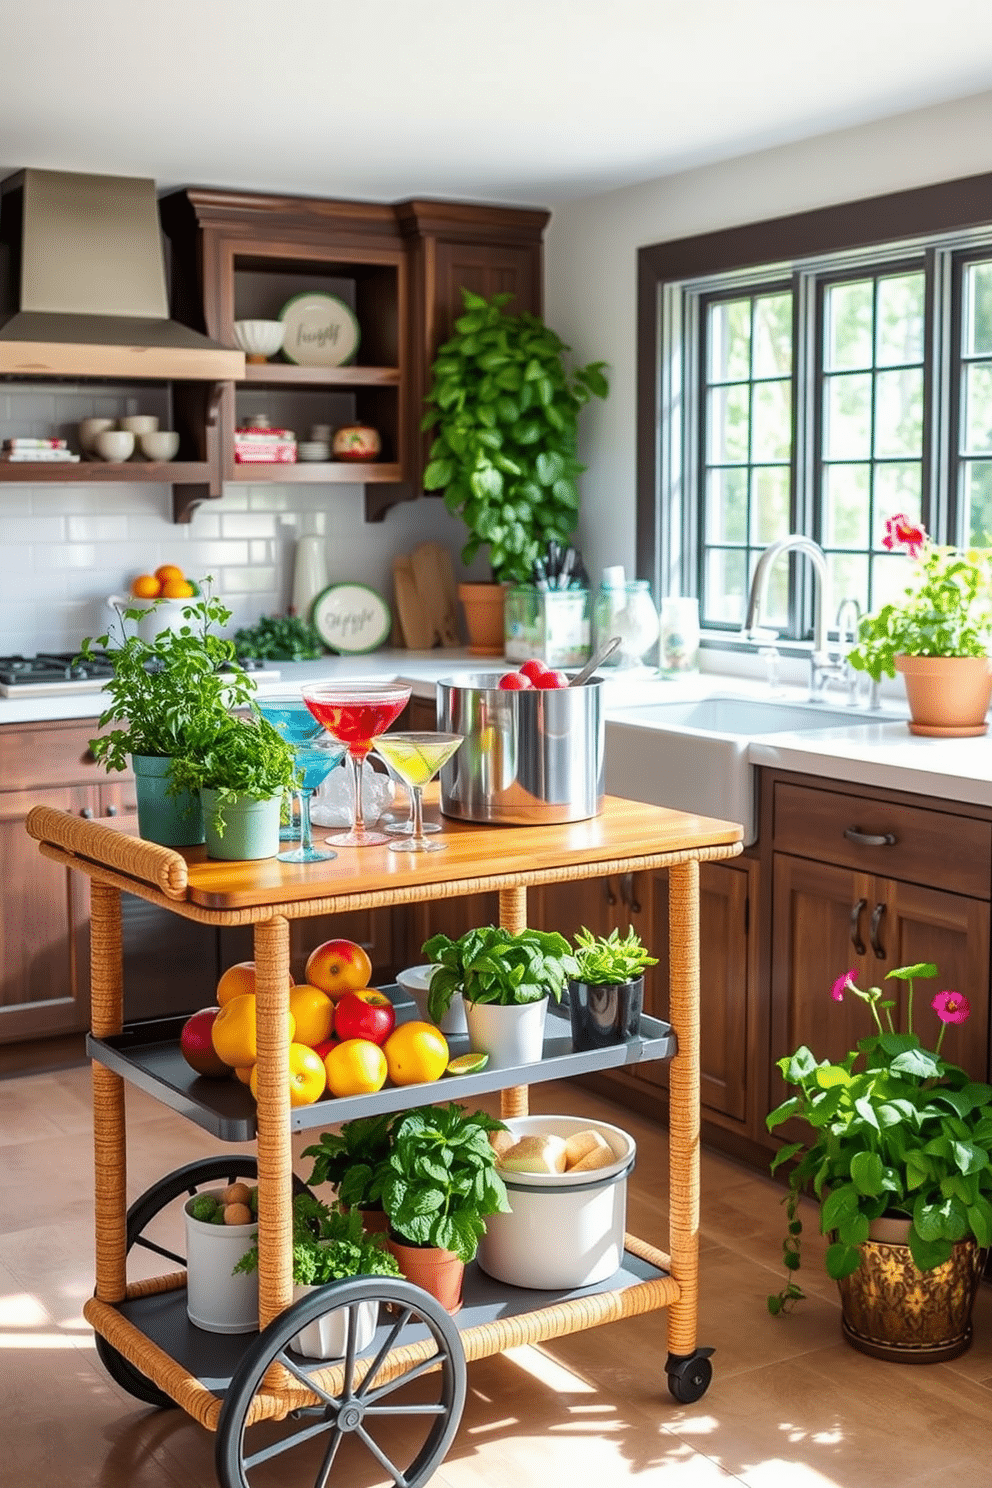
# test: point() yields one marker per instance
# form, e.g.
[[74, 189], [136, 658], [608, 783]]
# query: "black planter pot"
[[605, 1013]]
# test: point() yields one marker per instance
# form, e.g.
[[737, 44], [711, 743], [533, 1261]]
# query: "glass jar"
[[679, 634], [628, 611]]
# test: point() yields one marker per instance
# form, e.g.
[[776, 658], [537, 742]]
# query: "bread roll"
[[596, 1157], [535, 1155], [501, 1141], [581, 1142]]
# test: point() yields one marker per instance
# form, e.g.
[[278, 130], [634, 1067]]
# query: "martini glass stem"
[[306, 835], [356, 764], [417, 831]]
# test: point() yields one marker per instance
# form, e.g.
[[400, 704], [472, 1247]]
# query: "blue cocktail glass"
[[316, 756]]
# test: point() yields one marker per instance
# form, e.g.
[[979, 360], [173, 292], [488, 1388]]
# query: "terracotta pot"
[[439, 1272], [483, 606], [948, 695], [892, 1311]]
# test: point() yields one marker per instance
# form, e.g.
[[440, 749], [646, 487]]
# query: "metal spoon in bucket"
[[605, 650]]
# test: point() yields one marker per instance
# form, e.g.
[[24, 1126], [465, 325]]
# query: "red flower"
[[900, 529], [842, 983], [951, 1007]]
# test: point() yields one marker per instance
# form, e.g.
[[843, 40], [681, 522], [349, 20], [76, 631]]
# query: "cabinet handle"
[[627, 895], [870, 839], [856, 940], [111, 810], [87, 811], [876, 920], [611, 898]]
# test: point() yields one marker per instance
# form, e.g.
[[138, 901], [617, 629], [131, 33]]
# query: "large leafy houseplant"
[[493, 965], [895, 1131], [505, 420]]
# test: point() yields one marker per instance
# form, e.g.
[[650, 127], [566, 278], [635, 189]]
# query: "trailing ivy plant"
[[505, 417]]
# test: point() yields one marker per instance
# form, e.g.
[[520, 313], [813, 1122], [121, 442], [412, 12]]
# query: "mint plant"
[[348, 1158], [496, 965]]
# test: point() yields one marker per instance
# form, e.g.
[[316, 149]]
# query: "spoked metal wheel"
[[182, 1184], [385, 1415]]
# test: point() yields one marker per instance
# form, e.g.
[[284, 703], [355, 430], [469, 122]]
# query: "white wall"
[[591, 263]]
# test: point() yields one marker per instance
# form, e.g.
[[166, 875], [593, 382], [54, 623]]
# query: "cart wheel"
[[403, 1421], [180, 1184], [689, 1375]]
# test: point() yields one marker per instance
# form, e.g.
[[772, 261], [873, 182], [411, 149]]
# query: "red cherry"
[[533, 669], [552, 680], [513, 682]]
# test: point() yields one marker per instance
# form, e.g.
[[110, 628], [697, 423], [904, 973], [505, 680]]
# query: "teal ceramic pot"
[[170, 820], [251, 827]]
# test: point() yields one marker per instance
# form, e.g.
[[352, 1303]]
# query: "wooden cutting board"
[[434, 577], [417, 629]]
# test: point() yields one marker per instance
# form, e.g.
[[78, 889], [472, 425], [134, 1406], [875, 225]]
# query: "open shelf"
[[307, 472], [287, 374], [148, 1055], [93, 472]]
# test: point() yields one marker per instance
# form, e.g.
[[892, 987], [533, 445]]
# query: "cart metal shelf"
[[140, 1326]]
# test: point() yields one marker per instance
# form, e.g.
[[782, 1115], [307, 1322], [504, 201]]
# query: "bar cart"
[[279, 1417]]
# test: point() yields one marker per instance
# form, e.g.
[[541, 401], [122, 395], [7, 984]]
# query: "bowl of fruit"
[[533, 749]]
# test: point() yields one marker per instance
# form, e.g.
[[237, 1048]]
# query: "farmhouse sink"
[[692, 753]]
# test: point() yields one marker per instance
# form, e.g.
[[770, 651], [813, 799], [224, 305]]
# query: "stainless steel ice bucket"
[[528, 757]]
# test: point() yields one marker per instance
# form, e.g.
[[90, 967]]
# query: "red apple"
[[364, 1015], [196, 1044], [552, 680], [514, 682], [533, 669], [323, 1049], [339, 966]]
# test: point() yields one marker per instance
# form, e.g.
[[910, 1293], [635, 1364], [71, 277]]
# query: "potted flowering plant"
[[898, 1134], [938, 637]]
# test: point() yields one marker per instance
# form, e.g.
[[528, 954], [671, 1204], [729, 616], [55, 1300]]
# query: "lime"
[[467, 1064]]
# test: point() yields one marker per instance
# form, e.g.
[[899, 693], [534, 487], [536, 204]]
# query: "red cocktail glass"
[[355, 714]]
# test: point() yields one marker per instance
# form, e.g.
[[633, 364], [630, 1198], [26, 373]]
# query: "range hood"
[[82, 284]]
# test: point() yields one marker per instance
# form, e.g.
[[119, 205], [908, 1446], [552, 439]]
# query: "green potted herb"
[[330, 1245], [241, 767], [279, 638], [898, 1155], [349, 1159], [438, 1185], [606, 990], [162, 692], [505, 411], [506, 979]]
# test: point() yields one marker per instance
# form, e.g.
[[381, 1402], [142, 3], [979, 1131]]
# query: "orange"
[[314, 1014], [416, 1052], [166, 571], [356, 1067], [244, 1073], [307, 1078], [237, 980], [146, 586], [234, 1033], [177, 589]]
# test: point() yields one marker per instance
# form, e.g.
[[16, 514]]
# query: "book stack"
[[23, 449], [254, 446]]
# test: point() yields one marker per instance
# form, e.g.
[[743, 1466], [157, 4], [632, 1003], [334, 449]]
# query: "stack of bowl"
[[117, 440]]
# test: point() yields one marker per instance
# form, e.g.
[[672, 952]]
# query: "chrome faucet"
[[845, 630], [822, 665]]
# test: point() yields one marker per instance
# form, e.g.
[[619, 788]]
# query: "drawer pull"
[[856, 913], [873, 927], [870, 839], [611, 898], [627, 893], [111, 810], [87, 812]]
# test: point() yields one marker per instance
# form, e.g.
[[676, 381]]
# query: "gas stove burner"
[[57, 666]]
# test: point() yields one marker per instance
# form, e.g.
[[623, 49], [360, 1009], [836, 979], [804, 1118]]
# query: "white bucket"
[[566, 1229], [327, 1337], [217, 1300]]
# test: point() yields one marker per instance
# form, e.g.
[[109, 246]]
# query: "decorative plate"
[[351, 618], [321, 331]]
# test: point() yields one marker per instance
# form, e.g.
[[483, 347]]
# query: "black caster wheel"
[[181, 1184], [689, 1375], [399, 1418]]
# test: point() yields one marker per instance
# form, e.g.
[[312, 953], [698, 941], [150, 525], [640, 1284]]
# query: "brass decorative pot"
[[893, 1311]]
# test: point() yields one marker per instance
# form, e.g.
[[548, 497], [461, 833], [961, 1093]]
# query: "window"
[[804, 376]]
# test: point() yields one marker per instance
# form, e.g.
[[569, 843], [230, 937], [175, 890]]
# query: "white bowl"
[[313, 449], [415, 982], [259, 339], [161, 445], [139, 423], [89, 428], [114, 445]]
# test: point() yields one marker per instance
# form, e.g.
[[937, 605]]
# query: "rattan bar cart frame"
[[135, 1322]]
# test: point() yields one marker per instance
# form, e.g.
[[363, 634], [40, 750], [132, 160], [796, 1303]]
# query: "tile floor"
[[791, 1405]]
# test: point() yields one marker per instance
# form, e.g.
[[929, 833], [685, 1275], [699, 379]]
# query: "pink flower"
[[842, 983], [951, 1007], [900, 529]]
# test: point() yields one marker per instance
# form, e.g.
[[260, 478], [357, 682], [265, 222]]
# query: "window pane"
[[976, 487], [899, 328], [770, 503], [899, 412], [978, 409], [889, 578], [771, 429], [729, 341], [897, 489], [726, 590], [772, 336], [976, 318], [847, 417], [848, 320], [846, 505], [727, 425], [726, 505], [848, 580], [775, 614]]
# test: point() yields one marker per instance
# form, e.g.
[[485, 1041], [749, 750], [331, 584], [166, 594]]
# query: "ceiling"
[[527, 101]]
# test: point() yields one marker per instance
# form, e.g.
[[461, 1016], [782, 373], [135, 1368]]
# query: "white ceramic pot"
[[564, 1230], [217, 1300], [415, 981], [327, 1337], [160, 615], [511, 1035]]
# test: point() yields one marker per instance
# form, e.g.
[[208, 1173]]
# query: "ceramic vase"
[[171, 820], [948, 696], [251, 827]]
